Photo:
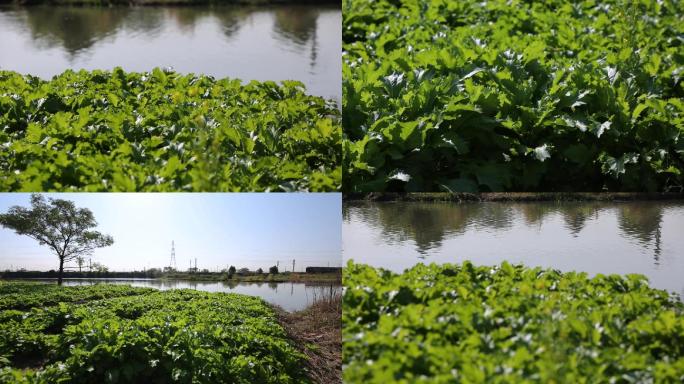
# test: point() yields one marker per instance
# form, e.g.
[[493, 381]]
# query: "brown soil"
[[317, 331]]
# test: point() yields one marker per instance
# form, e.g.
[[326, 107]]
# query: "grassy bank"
[[511, 196], [199, 276], [317, 331], [507, 324], [277, 278], [120, 334]]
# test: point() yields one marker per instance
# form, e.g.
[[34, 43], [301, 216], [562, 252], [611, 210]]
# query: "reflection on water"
[[643, 223], [70, 28], [289, 296], [296, 25], [274, 43], [629, 237]]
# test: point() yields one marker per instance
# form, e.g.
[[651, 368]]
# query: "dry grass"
[[317, 331]]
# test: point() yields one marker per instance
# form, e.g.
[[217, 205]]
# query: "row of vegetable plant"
[[146, 336], [163, 131], [22, 295], [508, 324]]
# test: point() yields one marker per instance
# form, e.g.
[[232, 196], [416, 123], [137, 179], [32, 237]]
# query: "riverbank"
[[511, 196], [285, 277], [317, 332]]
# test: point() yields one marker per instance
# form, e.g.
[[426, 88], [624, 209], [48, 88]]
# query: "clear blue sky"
[[220, 229]]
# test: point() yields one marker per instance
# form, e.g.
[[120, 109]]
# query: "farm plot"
[[163, 131], [143, 336], [468, 96], [508, 323]]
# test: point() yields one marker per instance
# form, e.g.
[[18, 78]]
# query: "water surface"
[[628, 237], [289, 296], [267, 43]]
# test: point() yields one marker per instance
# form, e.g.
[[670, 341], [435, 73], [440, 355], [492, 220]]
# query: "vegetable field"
[[115, 334], [508, 324], [162, 131], [468, 96]]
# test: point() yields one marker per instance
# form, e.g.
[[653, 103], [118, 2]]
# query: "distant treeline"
[[167, 2], [312, 274], [77, 275]]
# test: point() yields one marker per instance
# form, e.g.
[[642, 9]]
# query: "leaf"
[[401, 176], [472, 73], [637, 111], [598, 130], [159, 75], [542, 152], [535, 51], [405, 135], [123, 182], [34, 133], [616, 166], [612, 74]]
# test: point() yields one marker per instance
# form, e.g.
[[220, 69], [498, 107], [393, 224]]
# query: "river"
[[250, 43], [627, 237]]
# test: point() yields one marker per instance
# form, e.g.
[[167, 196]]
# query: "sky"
[[253, 230]]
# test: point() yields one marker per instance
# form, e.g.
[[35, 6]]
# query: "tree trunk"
[[61, 271]]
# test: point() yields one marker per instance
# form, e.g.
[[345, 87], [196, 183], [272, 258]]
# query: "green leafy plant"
[[143, 336], [162, 131], [468, 96], [507, 324], [24, 296]]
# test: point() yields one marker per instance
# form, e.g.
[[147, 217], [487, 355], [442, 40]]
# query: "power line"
[[172, 264]]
